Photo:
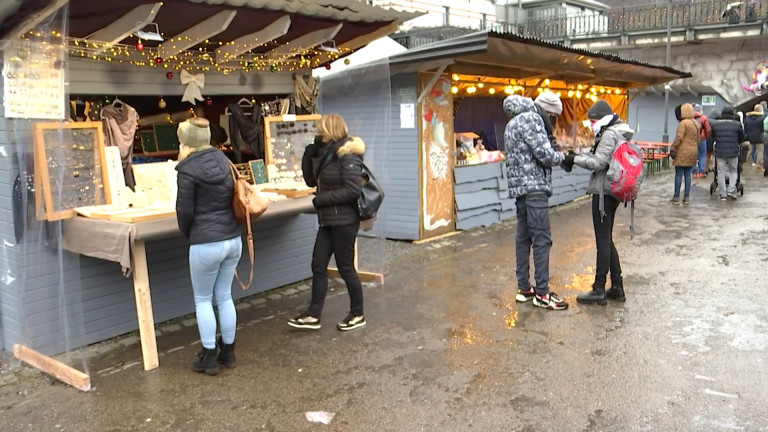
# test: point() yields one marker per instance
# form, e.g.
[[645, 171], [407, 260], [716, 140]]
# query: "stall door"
[[436, 158]]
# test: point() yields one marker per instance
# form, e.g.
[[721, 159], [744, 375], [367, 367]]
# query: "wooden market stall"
[[202, 55], [458, 85]]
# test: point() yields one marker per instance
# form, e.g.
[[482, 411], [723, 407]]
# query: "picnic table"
[[655, 155]]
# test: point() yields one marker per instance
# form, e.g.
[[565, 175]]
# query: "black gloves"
[[673, 153], [569, 161]]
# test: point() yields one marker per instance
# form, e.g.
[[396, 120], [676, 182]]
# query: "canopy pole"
[[431, 82]]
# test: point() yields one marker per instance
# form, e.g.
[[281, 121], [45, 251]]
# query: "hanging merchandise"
[[306, 89], [169, 75], [195, 84], [120, 123], [161, 103], [246, 129], [139, 46]]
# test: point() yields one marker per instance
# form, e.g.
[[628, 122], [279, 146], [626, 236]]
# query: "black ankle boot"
[[206, 361], [596, 296], [616, 293], [227, 354]]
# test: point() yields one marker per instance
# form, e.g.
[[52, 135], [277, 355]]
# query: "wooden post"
[[144, 305], [53, 367]]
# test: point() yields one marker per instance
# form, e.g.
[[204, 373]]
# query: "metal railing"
[[652, 17]]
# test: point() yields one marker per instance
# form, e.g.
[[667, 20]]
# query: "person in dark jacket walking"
[[728, 136], [529, 160], [205, 217], [610, 131], [333, 164], [753, 129]]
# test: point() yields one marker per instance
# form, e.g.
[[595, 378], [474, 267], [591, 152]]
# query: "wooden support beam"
[[33, 21], [370, 37], [196, 34], [144, 305], [302, 43], [431, 82], [53, 367], [134, 20], [250, 41]]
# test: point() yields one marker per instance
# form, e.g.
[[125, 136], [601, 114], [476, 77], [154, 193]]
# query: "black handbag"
[[371, 196]]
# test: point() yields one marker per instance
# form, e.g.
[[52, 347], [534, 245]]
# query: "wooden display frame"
[[44, 195], [268, 121]]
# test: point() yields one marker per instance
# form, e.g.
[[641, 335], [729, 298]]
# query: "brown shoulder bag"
[[246, 204]]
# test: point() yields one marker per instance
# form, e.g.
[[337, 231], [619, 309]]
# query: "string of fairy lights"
[[201, 58], [512, 86]]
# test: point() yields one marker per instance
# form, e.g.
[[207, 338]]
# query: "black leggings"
[[607, 256], [340, 242]]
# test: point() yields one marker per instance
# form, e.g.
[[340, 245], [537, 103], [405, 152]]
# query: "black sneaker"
[[351, 322], [549, 301], [305, 322], [524, 296]]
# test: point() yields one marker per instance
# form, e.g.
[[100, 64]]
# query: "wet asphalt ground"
[[447, 348]]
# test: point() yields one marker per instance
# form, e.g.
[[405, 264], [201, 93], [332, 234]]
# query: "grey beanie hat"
[[195, 132], [549, 102], [599, 110], [698, 108]]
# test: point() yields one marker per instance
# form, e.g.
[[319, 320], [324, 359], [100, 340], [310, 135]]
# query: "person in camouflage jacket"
[[529, 158]]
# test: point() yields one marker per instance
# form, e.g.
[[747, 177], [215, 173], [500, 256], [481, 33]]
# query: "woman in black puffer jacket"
[[333, 164]]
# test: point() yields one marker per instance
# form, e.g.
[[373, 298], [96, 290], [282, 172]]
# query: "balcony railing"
[[653, 17]]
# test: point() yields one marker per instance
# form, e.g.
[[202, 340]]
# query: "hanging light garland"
[[199, 59]]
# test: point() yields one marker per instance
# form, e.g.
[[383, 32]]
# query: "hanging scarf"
[[119, 129]]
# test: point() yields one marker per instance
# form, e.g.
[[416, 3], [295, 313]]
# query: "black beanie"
[[599, 110]]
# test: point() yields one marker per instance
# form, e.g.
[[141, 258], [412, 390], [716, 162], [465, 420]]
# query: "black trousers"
[[607, 256], [340, 242]]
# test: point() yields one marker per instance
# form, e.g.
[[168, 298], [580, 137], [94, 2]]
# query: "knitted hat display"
[[599, 110], [195, 132], [549, 102]]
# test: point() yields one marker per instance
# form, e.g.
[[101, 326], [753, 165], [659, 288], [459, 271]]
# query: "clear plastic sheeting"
[[41, 306], [362, 96]]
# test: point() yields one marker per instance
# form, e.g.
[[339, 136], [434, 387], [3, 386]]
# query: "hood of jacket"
[[353, 146], [754, 113], [686, 111], [516, 104], [624, 129], [209, 166]]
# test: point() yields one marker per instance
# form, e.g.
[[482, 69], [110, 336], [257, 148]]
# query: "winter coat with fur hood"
[[753, 126], [338, 178], [529, 155], [686, 143]]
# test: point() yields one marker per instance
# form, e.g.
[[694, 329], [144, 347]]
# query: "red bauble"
[[169, 75], [159, 60], [139, 46], [209, 101], [328, 66]]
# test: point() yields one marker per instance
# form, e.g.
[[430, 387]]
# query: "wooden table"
[[115, 237], [656, 154]]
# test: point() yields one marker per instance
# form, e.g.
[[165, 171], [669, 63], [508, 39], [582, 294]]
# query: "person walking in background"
[[728, 135], [701, 168], [713, 116], [529, 158], [685, 151], [609, 131], [205, 217], [765, 139], [333, 164], [753, 129]]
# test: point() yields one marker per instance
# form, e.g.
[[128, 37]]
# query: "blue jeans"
[[701, 168], [679, 173], [212, 268]]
